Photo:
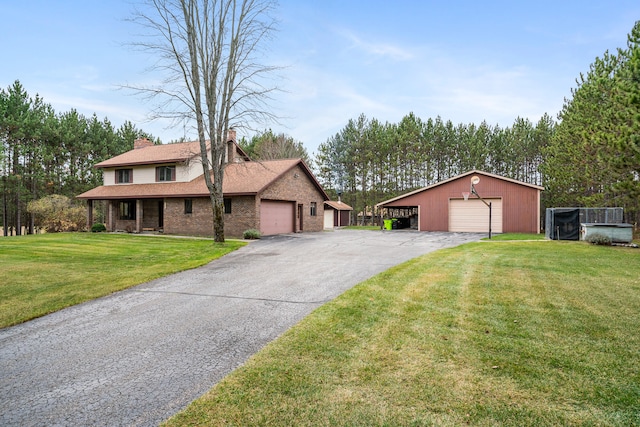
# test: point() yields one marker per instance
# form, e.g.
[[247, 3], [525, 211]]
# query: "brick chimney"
[[231, 146], [142, 143]]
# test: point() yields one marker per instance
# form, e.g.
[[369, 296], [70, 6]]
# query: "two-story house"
[[162, 188]]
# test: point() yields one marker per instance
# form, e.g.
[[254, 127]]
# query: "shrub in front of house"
[[98, 228], [599, 239], [251, 234], [57, 213]]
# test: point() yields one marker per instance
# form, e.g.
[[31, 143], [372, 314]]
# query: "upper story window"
[[124, 176], [313, 209], [165, 173]]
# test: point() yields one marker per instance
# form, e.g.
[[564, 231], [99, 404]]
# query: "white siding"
[[147, 174], [328, 218]]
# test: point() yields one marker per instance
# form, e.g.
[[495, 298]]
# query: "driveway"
[[141, 355]]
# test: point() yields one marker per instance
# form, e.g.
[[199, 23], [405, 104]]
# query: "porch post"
[[110, 223], [89, 214], [139, 216]]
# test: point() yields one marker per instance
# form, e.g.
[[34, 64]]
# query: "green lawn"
[[43, 273], [516, 236], [485, 334]]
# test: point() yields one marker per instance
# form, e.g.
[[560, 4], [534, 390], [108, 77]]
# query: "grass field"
[[515, 236], [40, 274], [485, 334]]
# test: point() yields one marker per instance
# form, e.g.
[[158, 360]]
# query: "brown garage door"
[[473, 215], [276, 217]]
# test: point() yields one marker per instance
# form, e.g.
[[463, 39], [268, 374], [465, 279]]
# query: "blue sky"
[[465, 61]]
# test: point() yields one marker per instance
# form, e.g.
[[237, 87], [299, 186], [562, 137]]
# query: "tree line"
[[44, 153], [369, 161]]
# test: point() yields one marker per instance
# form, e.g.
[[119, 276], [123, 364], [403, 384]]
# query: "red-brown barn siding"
[[520, 203], [344, 219]]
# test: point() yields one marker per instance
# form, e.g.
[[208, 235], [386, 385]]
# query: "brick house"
[[162, 188]]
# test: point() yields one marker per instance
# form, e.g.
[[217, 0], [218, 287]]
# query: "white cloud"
[[383, 49]]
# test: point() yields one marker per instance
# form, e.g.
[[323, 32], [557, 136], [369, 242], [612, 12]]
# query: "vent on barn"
[[565, 223]]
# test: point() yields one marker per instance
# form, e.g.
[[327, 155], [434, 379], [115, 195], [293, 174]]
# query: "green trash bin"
[[388, 224]]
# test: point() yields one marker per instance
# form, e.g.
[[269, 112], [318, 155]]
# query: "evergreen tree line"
[[44, 153], [369, 161]]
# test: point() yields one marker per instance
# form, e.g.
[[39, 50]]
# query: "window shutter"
[[173, 173]]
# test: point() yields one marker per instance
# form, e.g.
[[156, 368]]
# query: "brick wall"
[[151, 217], [200, 221], [296, 186], [242, 217]]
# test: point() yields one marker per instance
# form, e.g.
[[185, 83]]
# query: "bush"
[[57, 213], [251, 234], [599, 239], [98, 228]]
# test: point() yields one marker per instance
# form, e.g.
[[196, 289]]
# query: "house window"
[[124, 176], [128, 210], [227, 205], [188, 206], [165, 173], [313, 210]]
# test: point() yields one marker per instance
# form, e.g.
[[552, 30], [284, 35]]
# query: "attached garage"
[[276, 217], [515, 205], [472, 215]]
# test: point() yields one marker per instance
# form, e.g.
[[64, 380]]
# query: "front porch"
[[130, 215]]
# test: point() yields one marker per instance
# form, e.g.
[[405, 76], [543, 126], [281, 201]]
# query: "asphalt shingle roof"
[[339, 206], [154, 154], [244, 177], [239, 178]]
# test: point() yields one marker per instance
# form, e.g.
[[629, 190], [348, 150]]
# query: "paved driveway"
[[139, 356]]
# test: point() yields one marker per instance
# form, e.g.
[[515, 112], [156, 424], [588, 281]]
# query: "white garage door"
[[328, 218], [473, 215], [276, 217]]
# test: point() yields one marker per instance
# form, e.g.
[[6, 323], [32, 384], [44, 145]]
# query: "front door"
[[300, 215]]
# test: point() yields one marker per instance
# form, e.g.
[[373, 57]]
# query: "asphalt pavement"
[[137, 357]]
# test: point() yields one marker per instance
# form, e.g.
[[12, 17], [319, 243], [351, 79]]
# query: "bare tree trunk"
[[5, 210], [208, 48]]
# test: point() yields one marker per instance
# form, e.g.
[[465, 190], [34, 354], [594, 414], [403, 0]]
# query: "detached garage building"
[[442, 206], [336, 214]]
